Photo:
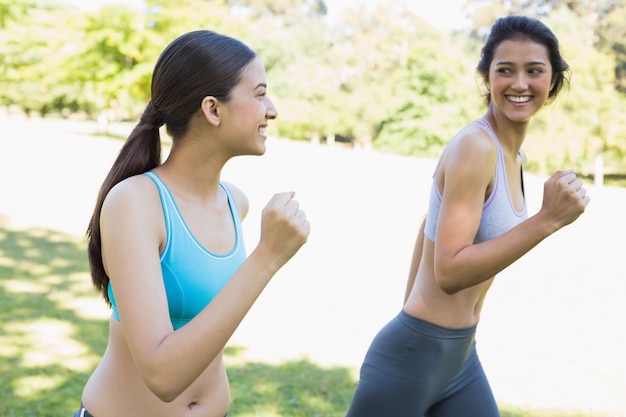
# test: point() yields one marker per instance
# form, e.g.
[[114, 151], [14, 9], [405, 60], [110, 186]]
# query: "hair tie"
[[153, 116]]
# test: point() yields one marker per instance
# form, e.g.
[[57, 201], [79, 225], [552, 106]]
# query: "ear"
[[211, 109]]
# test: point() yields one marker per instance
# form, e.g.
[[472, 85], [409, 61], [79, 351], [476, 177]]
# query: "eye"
[[504, 70], [536, 71]]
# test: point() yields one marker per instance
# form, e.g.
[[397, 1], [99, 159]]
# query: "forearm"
[[181, 356], [185, 353], [478, 263]]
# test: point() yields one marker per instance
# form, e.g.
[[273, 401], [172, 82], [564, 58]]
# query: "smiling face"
[[520, 78], [248, 111]]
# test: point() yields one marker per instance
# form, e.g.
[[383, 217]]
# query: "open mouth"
[[519, 99]]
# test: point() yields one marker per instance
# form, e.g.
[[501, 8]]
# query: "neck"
[[192, 169], [510, 134]]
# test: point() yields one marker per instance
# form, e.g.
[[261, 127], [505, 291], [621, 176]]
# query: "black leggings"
[[414, 368]]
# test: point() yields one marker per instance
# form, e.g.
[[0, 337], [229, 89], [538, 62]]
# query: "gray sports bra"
[[499, 214]]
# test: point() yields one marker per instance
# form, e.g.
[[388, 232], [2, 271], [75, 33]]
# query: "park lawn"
[[54, 329]]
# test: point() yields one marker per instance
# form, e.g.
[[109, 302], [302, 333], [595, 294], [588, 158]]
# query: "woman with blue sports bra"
[[424, 363], [165, 240]]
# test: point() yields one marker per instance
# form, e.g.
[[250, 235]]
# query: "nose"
[[520, 83], [270, 111]]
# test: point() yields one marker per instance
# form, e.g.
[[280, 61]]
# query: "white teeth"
[[517, 99], [262, 130]]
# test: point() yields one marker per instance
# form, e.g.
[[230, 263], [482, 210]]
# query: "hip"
[[409, 345]]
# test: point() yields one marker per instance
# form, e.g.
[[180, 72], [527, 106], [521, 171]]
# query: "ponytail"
[[140, 153]]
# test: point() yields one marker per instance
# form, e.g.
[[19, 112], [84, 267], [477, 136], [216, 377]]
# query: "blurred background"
[[396, 76], [368, 93]]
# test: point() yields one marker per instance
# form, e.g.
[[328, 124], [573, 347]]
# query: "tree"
[[611, 38], [32, 61], [14, 11], [435, 98]]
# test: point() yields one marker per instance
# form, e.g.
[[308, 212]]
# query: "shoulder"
[[138, 189], [135, 198], [240, 199], [473, 140], [468, 162], [472, 148], [131, 214]]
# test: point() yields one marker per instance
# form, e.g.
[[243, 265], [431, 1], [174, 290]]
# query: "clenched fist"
[[284, 227], [564, 198]]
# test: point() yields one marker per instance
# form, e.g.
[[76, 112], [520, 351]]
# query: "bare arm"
[[459, 263], [415, 260], [170, 361]]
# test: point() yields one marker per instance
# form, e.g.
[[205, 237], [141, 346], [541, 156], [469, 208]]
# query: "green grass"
[[53, 333]]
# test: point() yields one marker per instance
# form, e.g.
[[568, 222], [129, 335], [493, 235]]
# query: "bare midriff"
[[429, 302], [117, 389]]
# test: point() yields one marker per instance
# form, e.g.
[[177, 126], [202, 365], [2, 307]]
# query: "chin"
[[260, 150]]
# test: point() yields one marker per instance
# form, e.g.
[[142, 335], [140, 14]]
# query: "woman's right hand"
[[284, 228], [564, 198]]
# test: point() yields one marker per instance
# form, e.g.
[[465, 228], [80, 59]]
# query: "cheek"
[[547, 85], [253, 109], [497, 84]]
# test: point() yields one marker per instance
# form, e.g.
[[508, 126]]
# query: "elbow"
[[164, 392], [161, 385], [448, 283], [167, 397], [448, 288]]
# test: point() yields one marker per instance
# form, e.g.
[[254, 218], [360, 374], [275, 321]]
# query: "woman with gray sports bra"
[[165, 240], [424, 361]]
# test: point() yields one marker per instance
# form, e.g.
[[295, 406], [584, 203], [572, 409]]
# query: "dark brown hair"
[[195, 65]]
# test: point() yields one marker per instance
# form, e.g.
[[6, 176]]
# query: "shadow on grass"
[[54, 330], [48, 344]]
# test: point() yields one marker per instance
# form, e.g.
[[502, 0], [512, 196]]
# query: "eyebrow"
[[261, 85], [528, 64]]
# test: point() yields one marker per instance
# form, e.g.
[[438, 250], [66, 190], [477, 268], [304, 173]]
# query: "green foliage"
[[113, 62], [171, 18], [379, 77], [14, 10], [32, 58], [432, 95], [612, 40]]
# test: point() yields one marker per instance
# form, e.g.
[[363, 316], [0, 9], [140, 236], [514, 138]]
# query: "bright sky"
[[443, 14]]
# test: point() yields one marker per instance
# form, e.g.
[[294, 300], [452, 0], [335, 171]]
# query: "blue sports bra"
[[499, 214], [192, 275]]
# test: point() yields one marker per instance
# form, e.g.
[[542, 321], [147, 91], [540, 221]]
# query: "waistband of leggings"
[[82, 411], [435, 330]]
